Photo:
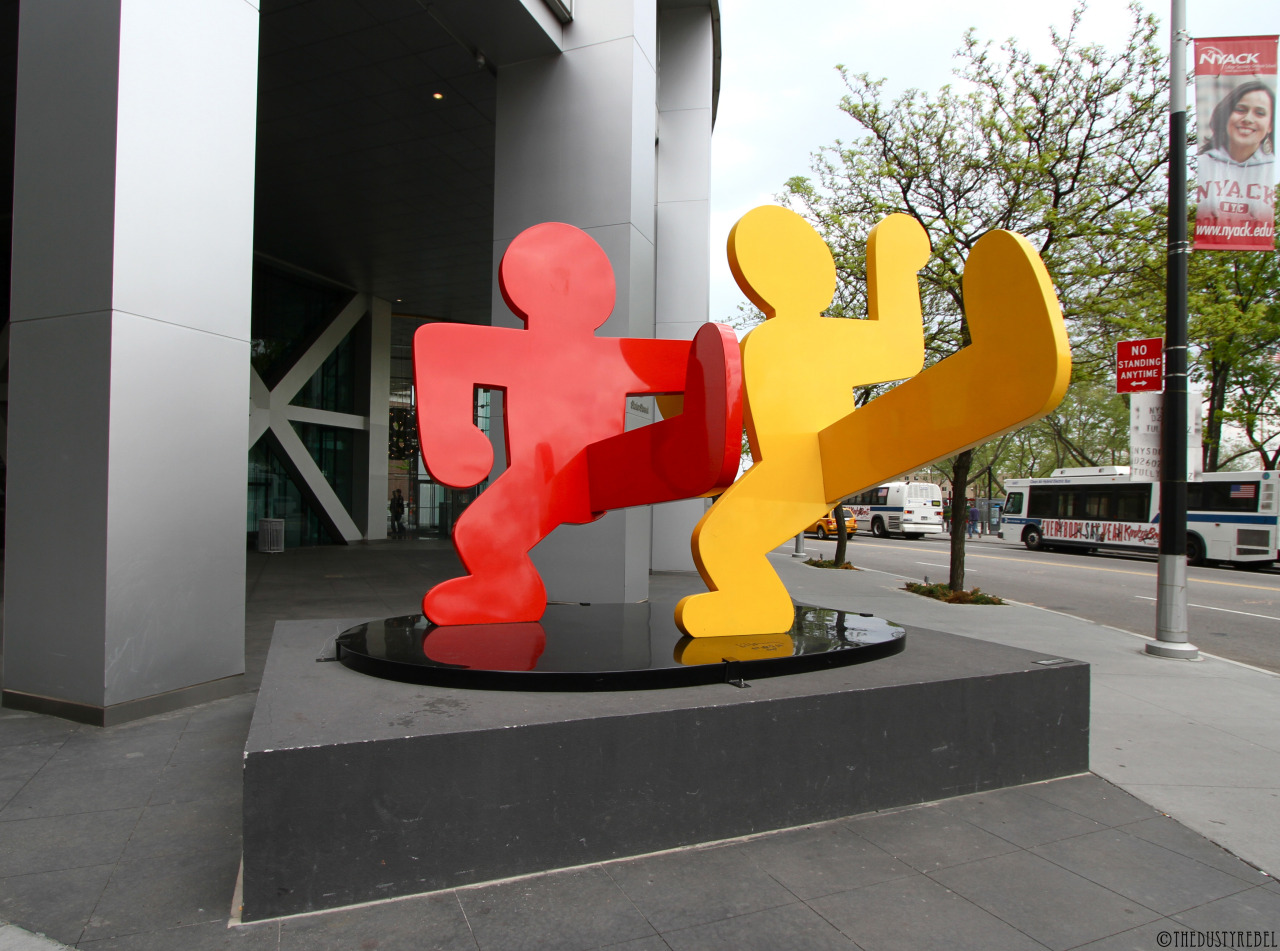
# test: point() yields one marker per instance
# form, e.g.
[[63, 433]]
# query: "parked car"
[[827, 524]]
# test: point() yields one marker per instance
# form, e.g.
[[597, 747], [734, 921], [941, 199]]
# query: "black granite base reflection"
[[607, 647]]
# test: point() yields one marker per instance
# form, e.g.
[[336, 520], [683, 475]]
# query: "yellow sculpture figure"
[[799, 369], [1015, 370]]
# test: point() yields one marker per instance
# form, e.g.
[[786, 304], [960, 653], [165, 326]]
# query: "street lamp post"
[[1171, 582]]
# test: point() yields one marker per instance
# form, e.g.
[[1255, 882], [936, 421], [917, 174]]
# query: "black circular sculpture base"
[[607, 647]]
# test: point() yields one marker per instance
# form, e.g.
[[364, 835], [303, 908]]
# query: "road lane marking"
[[1115, 571], [1207, 607], [932, 564], [1022, 561], [1109, 627]]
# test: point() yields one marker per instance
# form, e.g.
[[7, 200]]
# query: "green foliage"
[[1068, 152], [942, 592], [1233, 328], [829, 563], [1071, 153]]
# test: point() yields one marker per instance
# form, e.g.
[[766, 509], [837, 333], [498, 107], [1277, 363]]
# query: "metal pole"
[[1171, 584], [800, 552]]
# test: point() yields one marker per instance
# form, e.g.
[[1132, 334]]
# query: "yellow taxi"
[[827, 524]]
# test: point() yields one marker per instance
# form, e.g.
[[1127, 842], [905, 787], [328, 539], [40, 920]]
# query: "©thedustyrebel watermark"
[[1216, 939]]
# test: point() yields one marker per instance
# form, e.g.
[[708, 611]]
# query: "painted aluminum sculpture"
[[569, 459]]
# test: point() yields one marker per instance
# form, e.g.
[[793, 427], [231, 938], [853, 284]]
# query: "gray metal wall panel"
[[176, 508], [56, 507], [131, 580], [64, 158]]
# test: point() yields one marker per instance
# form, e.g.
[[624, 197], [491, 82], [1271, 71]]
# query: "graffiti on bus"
[[1124, 533]]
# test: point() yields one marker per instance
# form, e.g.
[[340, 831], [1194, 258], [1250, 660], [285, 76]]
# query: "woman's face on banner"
[[1249, 124]]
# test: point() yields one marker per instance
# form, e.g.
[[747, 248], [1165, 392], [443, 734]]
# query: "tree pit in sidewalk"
[[828, 563], [943, 592]]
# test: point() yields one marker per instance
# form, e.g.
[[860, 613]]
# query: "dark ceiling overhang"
[[376, 141]]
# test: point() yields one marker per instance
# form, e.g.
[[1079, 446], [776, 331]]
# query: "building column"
[[575, 143], [683, 224], [129, 364], [371, 477]]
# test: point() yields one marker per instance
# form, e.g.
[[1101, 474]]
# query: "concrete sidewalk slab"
[[1198, 740]]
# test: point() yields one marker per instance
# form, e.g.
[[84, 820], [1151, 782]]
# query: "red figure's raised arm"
[[449, 361], [695, 453], [655, 366]]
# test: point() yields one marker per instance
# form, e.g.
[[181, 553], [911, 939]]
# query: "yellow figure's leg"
[[756, 514]]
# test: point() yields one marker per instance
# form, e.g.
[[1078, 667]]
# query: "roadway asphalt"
[[1232, 613]]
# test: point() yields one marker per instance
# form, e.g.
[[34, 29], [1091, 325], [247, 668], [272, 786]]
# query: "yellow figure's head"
[[781, 263]]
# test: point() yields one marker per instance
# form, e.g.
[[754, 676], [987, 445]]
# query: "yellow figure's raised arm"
[[889, 344], [897, 249], [1015, 370]]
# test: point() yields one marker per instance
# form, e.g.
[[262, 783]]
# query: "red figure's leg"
[[493, 538]]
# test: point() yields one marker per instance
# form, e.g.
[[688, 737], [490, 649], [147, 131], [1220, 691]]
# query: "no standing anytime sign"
[[1140, 366]]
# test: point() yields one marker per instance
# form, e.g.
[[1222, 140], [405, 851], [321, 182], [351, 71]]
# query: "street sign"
[[1140, 366]]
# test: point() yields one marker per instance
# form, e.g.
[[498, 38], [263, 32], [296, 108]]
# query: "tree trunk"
[[1212, 449], [842, 541], [959, 516]]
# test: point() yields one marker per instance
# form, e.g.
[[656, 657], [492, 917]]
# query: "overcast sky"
[[779, 89]]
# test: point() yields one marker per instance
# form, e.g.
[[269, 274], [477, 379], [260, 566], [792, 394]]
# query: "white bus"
[[912, 509], [1231, 516]]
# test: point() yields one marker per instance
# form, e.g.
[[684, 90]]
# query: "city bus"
[[1231, 516], [912, 509]]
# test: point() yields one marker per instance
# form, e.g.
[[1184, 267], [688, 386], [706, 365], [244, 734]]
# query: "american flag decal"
[[1248, 491]]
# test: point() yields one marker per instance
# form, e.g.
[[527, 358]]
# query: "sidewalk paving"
[[1199, 740], [128, 837]]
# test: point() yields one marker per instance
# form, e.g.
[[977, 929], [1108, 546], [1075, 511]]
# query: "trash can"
[[271, 534]]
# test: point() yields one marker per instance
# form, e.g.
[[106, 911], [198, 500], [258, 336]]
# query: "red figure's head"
[[556, 272]]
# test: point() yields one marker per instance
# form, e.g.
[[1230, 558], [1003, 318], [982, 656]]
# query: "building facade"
[[221, 199]]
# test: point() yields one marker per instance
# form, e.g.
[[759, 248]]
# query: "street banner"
[[1145, 418], [1235, 119], [1140, 365]]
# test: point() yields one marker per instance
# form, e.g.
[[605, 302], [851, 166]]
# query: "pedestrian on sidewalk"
[[397, 513], [974, 518]]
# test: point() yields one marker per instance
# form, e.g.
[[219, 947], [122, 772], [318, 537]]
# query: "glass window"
[[274, 494], [333, 450], [1097, 503], [287, 314], [333, 386], [1054, 502], [1133, 503], [1013, 504], [1222, 496]]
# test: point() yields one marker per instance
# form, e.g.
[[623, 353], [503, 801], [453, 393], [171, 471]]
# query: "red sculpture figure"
[[567, 455]]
